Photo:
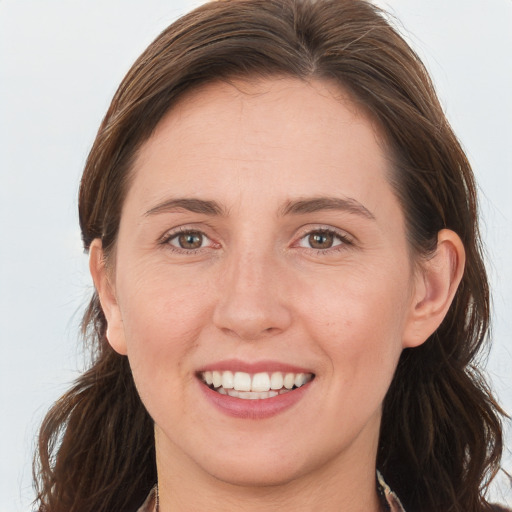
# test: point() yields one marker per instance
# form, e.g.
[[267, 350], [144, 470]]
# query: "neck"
[[348, 486]]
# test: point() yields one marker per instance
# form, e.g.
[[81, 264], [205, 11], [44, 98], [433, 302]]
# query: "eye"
[[322, 239], [189, 240]]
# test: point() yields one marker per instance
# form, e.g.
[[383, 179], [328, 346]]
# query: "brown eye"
[[321, 240], [188, 240]]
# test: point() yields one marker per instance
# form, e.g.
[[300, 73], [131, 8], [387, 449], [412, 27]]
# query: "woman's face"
[[262, 246]]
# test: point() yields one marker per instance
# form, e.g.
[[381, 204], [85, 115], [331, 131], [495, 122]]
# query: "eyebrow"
[[348, 204], [296, 207], [192, 205]]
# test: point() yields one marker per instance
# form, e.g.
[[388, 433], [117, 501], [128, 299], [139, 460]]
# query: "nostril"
[[250, 331]]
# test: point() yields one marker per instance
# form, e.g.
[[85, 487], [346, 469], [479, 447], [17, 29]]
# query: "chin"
[[255, 474], [264, 466]]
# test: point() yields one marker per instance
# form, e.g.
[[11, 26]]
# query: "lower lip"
[[254, 409]]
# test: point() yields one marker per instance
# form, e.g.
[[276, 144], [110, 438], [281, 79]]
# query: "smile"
[[257, 386]]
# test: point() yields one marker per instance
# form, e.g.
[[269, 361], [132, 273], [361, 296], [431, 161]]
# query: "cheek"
[[159, 297], [358, 318], [163, 316], [163, 319]]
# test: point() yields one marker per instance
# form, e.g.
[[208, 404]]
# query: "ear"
[[436, 282], [103, 282]]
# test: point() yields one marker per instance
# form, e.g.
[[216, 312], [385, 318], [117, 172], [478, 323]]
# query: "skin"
[[258, 290]]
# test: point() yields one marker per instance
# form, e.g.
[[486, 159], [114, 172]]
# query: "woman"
[[289, 286]]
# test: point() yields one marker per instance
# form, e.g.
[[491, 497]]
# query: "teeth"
[[242, 381], [251, 395], [260, 382], [217, 379], [276, 380], [227, 380], [300, 380], [257, 386], [289, 380]]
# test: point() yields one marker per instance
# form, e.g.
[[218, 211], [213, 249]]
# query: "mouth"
[[254, 386]]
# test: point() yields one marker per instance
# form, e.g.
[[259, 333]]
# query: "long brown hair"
[[441, 436]]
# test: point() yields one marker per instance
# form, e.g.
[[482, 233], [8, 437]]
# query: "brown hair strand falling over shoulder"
[[441, 439]]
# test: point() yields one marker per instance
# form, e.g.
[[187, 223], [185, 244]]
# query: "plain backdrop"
[[60, 63]]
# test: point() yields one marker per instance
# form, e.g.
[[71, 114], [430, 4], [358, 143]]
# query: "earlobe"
[[436, 284], [106, 292]]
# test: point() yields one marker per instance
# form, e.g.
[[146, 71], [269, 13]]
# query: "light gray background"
[[60, 63]]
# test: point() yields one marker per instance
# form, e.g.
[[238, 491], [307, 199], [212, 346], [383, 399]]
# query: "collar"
[[391, 499]]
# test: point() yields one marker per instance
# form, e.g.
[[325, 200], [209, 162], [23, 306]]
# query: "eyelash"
[[344, 240], [166, 240]]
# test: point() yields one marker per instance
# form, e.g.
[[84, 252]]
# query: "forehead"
[[287, 137], [285, 100]]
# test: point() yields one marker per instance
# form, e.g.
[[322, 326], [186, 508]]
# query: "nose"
[[252, 304]]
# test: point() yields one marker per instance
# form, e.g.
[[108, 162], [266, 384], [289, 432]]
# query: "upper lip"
[[237, 365]]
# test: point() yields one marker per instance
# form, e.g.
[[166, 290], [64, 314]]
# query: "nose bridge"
[[251, 303], [250, 271]]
